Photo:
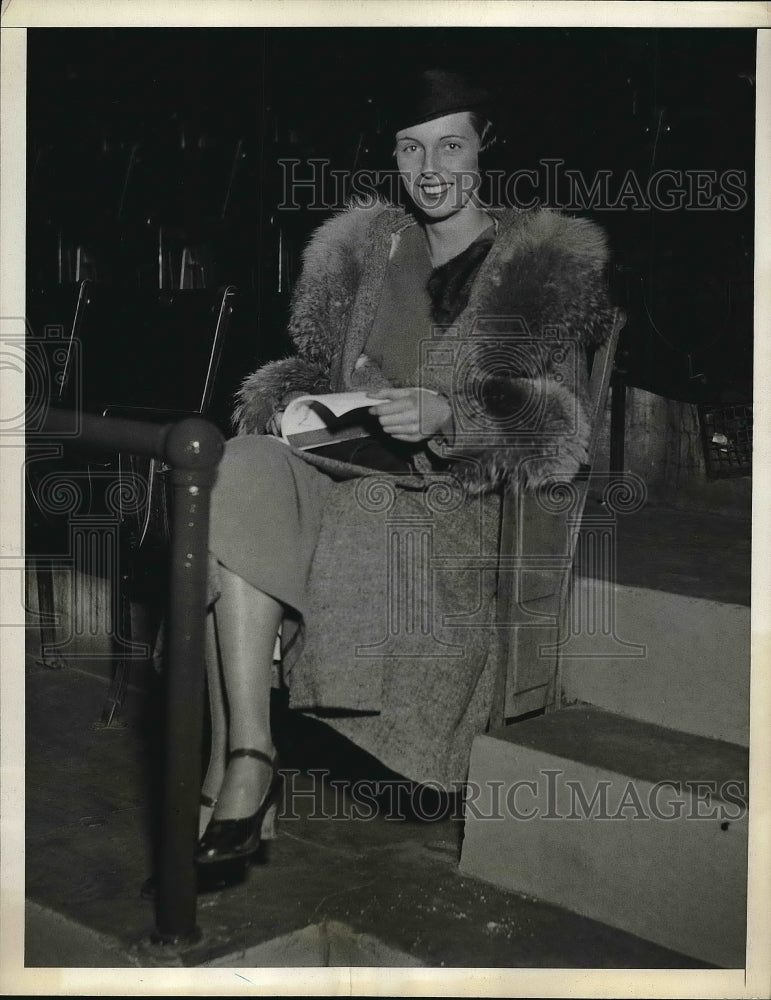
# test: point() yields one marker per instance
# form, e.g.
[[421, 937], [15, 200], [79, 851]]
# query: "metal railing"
[[192, 448]]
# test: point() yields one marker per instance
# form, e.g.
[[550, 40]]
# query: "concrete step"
[[640, 827], [671, 659], [659, 625]]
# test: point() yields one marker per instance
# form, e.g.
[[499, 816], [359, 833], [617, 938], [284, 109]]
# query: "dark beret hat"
[[432, 94]]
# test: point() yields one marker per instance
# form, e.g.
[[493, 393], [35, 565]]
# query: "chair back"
[[599, 380], [526, 680]]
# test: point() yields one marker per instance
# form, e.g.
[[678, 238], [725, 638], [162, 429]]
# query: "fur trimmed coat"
[[398, 652]]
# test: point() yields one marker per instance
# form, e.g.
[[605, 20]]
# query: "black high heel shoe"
[[231, 839]]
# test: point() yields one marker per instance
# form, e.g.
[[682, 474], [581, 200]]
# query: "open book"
[[314, 421]]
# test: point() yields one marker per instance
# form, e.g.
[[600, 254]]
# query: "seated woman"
[[468, 324]]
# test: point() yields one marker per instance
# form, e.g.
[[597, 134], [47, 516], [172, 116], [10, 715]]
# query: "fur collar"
[[348, 232], [542, 279]]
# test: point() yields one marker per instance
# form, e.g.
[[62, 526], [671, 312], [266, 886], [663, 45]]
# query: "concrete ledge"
[[676, 661]]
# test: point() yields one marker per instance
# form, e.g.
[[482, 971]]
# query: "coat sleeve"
[[519, 380], [268, 390], [319, 315]]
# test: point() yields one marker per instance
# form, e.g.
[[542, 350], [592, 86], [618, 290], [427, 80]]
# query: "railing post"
[[193, 449]]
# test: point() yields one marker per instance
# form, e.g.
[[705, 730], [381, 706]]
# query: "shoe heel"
[[270, 822]]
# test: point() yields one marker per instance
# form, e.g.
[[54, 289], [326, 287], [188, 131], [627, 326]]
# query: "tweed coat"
[[397, 651]]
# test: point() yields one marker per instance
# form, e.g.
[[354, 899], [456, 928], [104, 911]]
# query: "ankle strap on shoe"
[[250, 752]]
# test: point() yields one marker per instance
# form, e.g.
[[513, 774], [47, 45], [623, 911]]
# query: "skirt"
[[388, 594], [266, 512]]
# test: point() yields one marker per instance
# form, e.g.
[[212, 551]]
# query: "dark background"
[[146, 141]]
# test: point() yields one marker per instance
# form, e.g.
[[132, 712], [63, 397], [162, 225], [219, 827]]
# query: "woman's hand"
[[273, 425], [411, 414]]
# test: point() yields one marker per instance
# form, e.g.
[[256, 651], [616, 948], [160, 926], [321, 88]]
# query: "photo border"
[[20, 14]]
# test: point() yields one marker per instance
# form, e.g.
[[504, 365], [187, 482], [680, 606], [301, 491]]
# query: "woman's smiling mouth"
[[434, 190]]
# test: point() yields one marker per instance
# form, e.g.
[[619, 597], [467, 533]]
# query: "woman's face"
[[438, 163]]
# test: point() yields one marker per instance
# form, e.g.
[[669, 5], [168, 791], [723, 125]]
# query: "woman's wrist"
[[445, 432]]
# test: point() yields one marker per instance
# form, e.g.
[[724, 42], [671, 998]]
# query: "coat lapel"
[[385, 229]]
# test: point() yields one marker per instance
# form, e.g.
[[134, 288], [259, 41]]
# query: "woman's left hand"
[[411, 414]]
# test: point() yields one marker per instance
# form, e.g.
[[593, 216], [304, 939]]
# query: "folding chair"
[[54, 319], [145, 355], [530, 610]]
